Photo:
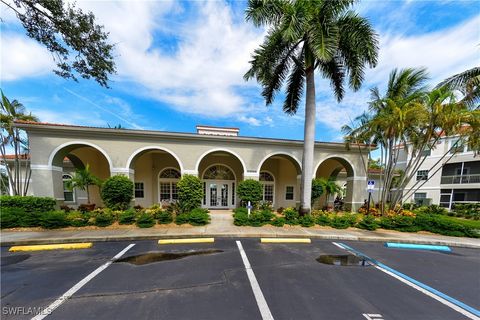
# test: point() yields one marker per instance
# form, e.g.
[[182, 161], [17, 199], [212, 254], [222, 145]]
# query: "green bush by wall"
[[117, 192], [28, 203], [190, 193]]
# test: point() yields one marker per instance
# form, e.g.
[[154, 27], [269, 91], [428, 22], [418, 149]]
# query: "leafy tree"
[[330, 187], [304, 37], [78, 45], [13, 138], [82, 179], [117, 192], [412, 119]]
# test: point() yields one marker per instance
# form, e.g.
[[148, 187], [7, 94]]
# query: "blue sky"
[[181, 64]]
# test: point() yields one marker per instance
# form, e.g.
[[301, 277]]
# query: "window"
[[268, 186], [289, 193], [456, 146], [139, 190], [233, 193], [67, 193], [218, 172], [426, 152], [167, 187], [420, 198], [422, 175]]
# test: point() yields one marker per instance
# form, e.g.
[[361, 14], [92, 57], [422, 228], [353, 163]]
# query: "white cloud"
[[22, 57], [443, 52]]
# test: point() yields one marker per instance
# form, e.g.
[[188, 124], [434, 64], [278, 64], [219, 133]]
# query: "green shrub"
[[198, 217], [53, 220], [164, 217], [368, 223], [190, 193], [400, 223], [11, 217], [466, 210], [241, 210], [306, 221], [103, 218], [448, 226], [28, 203], [431, 209], [323, 220], [278, 222], [267, 215], [77, 219], [145, 220], [291, 215], [256, 219], [117, 192], [317, 190], [250, 190], [343, 222], [265, 206], [127, 216], [240, 218], [182, 218]]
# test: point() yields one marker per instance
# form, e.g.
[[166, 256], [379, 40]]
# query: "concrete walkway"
[[222, 226]]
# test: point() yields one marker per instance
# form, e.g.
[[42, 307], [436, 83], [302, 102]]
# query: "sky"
[[180, 64]]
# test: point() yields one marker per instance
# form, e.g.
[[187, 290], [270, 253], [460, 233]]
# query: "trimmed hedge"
[[190, 193], [145, 220], [77, 219], [198, 217], [250, 190], [54, 220], [127, 216], [28, 203]]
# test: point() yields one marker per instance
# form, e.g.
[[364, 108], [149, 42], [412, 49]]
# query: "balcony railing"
[[466, 178]]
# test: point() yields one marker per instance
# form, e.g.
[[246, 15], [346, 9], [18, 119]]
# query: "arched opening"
[[220, 172], [74, 156], [156, 172], [280, 177], [341, 172]]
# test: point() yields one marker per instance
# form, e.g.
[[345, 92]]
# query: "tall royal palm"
[[305, 36]]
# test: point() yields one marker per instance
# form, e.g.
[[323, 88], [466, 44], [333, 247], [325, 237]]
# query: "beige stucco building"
[[155, 160]]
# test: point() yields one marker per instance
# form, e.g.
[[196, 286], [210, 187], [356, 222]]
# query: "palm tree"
[[16, 139], [82, 179], [467, 82], [330, 187], [304, 36]]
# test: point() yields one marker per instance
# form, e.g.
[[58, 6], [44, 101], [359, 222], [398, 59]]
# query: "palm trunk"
[[88, 195], [308, 144]]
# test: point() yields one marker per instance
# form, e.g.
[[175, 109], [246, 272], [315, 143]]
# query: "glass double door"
[[219, 194]]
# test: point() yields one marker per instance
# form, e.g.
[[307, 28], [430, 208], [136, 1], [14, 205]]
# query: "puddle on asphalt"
[[8, 260], [152, 257], [342, 260]]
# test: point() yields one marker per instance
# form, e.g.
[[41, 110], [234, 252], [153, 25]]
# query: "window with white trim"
[[422, 175], [167, 184], [268, 186], [68, 194], [289, 193], [139, 190]]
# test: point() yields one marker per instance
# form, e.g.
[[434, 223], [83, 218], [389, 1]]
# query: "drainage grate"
[[152, 257], [342, 260]]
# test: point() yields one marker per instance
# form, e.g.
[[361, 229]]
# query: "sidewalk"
[[222, 226]]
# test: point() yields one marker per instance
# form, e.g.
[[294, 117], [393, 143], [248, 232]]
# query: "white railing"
[[466, 178]]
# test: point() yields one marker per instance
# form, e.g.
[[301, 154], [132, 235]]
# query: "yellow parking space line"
[[285, 240], [186, 240], [58, 246]]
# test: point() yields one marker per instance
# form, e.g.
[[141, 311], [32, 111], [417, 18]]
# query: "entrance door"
[[218, 194]]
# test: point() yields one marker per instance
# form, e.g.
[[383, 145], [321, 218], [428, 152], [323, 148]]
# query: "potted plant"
[[82, 179]]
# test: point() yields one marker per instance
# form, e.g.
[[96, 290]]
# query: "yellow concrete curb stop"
[[186, 240], [62, 246], [285, 240]]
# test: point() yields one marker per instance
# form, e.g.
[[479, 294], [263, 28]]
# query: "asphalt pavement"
[[190, 281]]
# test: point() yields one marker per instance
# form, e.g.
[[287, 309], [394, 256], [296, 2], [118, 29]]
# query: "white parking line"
[[257, 292], [372, 316], [48, 310]]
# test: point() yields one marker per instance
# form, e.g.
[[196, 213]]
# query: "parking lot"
[[213, 281]]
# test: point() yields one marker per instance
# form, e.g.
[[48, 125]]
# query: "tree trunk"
[[308, 144], [88, 195]]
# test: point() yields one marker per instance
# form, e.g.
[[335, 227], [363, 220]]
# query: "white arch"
[[136, 152], [330, 157], [197, 165], [218, 164], [66, 144], [276, 154]]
